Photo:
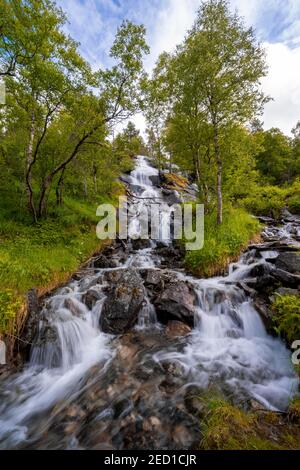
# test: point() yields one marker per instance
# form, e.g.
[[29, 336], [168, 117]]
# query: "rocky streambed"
[[118, 357]]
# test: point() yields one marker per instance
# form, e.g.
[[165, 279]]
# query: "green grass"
[[43, 255], [226, 427], [222, 244], [286, 309]]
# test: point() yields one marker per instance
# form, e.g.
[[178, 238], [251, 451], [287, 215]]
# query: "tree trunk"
[[28, 173], [95, 178], [219, 175], [59, 188]]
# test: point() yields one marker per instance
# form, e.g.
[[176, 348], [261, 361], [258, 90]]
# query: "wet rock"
[[102, 262], [263, 308], [264, 284], [176, 302], [47, 347], [171, 196], [73, 306], [140, 244], [289, 261], [177, 328], [127, 353], [153, 277], [287, 279], [33, 317], [194, 403], [123, 303], [288, 217], [91, 297], [126, 179], [173, 255], [260, 270], [155, 179], [246, 288], [113, 276], [287, 291]]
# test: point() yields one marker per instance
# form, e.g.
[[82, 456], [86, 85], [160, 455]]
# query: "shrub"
[[9, 307], [269, 200], [286, 310]]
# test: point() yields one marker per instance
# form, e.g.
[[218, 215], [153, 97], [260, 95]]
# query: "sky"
[[93, 23]]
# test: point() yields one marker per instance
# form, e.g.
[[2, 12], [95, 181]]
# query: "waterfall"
[[228, 347]]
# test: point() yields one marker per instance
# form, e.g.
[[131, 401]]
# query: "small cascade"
[[147, 316]]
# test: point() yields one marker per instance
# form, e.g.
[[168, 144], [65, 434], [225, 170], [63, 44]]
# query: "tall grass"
[[222, 243]]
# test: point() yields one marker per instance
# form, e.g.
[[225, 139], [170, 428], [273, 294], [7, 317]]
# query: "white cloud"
[[172, 24], [169, 20], [282, 83]]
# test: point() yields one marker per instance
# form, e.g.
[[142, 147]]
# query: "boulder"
[[287, 291], [102, 262], [177, 328], [176, 302], [33, 318], [155, 180], [140, 244], [171, 196], [263, 284], [289, 261], [285, 278], [91, 297], [123, 303]]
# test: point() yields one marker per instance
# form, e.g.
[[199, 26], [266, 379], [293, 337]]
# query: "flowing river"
[[86, 389]]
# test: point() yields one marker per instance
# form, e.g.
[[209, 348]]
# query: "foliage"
[[269, 200], [277, 161], [9, 308], [222, 244], [286, 310], [214, 82]]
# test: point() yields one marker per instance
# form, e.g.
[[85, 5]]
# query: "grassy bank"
[[226, 427], [222, 244], [43, 255]]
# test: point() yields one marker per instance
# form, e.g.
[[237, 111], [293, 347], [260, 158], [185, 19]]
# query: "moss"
[[227, 427], [286, 309], [174, 181]]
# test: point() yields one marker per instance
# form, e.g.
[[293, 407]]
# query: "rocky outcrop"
[[177, 301], [289, 261], [33, 317], [91, 297], [123, 303]]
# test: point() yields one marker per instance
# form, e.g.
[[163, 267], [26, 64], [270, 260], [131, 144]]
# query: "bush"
[[286, 310], [269, 200], [9, 307]]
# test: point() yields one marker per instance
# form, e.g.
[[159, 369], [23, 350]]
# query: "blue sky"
[[93, 23]]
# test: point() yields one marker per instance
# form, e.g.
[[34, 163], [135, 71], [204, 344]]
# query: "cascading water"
[[85, 389]]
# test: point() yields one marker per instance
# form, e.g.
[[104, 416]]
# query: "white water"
[[148, 194], [229, 345], [56, 369]]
